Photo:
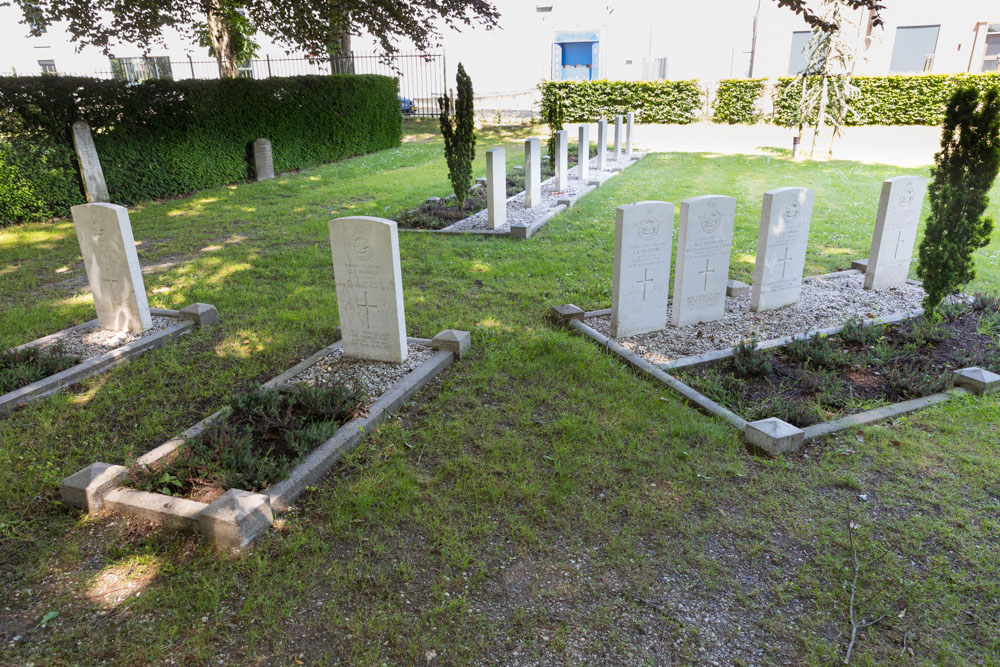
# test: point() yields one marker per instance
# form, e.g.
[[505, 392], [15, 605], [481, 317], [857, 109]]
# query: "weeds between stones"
[[255, 444], [749, 360], [19, 368]]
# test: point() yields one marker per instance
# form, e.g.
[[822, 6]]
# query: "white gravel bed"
[[516, 212], [374, 377], [825, 303], [93, 342]]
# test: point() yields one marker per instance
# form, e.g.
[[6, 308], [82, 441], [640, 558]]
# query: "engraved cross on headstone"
[[706, 272], [899, 241], [784, 262], [644, 282], [368, 313]]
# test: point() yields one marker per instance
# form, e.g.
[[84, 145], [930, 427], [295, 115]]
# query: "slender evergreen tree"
[[459, 136], [963, 172]]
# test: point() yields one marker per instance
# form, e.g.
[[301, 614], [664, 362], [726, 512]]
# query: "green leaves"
[[736, 101], [963, 173], [161, 138], [459, 136], [652, 101]]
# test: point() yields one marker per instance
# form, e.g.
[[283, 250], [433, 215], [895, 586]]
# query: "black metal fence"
[[422, 77]]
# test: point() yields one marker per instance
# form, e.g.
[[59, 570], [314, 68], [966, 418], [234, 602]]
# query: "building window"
[[575, 56], [797, 59], [992, 48], [914, 48], [140, 69], [47, 66]]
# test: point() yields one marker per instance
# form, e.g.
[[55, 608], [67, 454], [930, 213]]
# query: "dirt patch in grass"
[[813, 380]]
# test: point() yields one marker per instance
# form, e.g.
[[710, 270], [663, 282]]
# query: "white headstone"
[[496, 188], [532, 173], [583, 154], [895, 231], [369, 288], [781, 248], [644, 233], [112, 266], [91, 172], [562, 160], [629, 122], [704, 244], [618, 138], [263, 159], [602, 145]]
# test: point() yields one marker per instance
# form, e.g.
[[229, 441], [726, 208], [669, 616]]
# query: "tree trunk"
[[341, 61], [222, 41], [819, 118]]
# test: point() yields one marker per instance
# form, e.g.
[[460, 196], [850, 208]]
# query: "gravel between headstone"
[[825, 303], [92, 342], [375, 377]]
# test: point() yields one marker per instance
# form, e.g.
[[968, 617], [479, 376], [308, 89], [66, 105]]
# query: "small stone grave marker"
[[369, 288], [618, 138], [781, 248], [496, 188], [895, 234], [112, 266], [263, 159], [602, 145], [91, 172], [643, 235], [583, 154], [562, 160], [629, 122], [704, 244], [532, 173]]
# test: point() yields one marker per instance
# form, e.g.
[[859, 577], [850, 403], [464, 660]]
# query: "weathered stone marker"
[[602, 145], [91, 172], [618, 138], [496, 188], [629, 122], [562, 160], [895, 231], [781, 248], [704, 243], [263, 159], [583, 154], [369, 288], [532, 173], [639, 290], [112, 266]]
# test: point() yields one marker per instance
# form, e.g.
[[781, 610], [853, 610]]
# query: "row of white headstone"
[[643, 240], [496, 165]]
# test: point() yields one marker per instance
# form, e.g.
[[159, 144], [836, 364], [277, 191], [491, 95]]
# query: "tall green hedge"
[[736, 101], [652, 101], [162, 138], [891, 100]]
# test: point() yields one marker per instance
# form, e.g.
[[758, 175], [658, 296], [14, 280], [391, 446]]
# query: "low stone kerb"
[[774, 436]]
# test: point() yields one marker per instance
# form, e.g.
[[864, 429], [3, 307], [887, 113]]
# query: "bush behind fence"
[[163, 138]]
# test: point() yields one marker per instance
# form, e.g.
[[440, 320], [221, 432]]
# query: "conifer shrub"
[[459, 134]]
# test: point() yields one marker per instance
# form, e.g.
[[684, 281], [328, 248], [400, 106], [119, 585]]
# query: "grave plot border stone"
[[774, 436], [200, 314], [522, 230], [238, 517]]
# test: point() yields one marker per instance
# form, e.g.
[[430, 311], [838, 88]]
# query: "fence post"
[[268, 56], [191, 62]]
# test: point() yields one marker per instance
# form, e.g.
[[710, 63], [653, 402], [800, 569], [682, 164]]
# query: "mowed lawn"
[[537, 503]]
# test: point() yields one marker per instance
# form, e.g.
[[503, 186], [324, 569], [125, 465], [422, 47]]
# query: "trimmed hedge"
[[736, 101], [675, 102], [163, 138], [891, 100]]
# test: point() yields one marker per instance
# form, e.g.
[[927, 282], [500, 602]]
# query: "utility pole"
[[753, 44]]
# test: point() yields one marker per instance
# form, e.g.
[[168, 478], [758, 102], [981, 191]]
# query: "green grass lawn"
[[537, 499]]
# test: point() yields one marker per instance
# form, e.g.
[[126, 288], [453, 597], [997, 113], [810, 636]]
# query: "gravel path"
[[92, 342], [375, 377], [825, 302], [516, 212]]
